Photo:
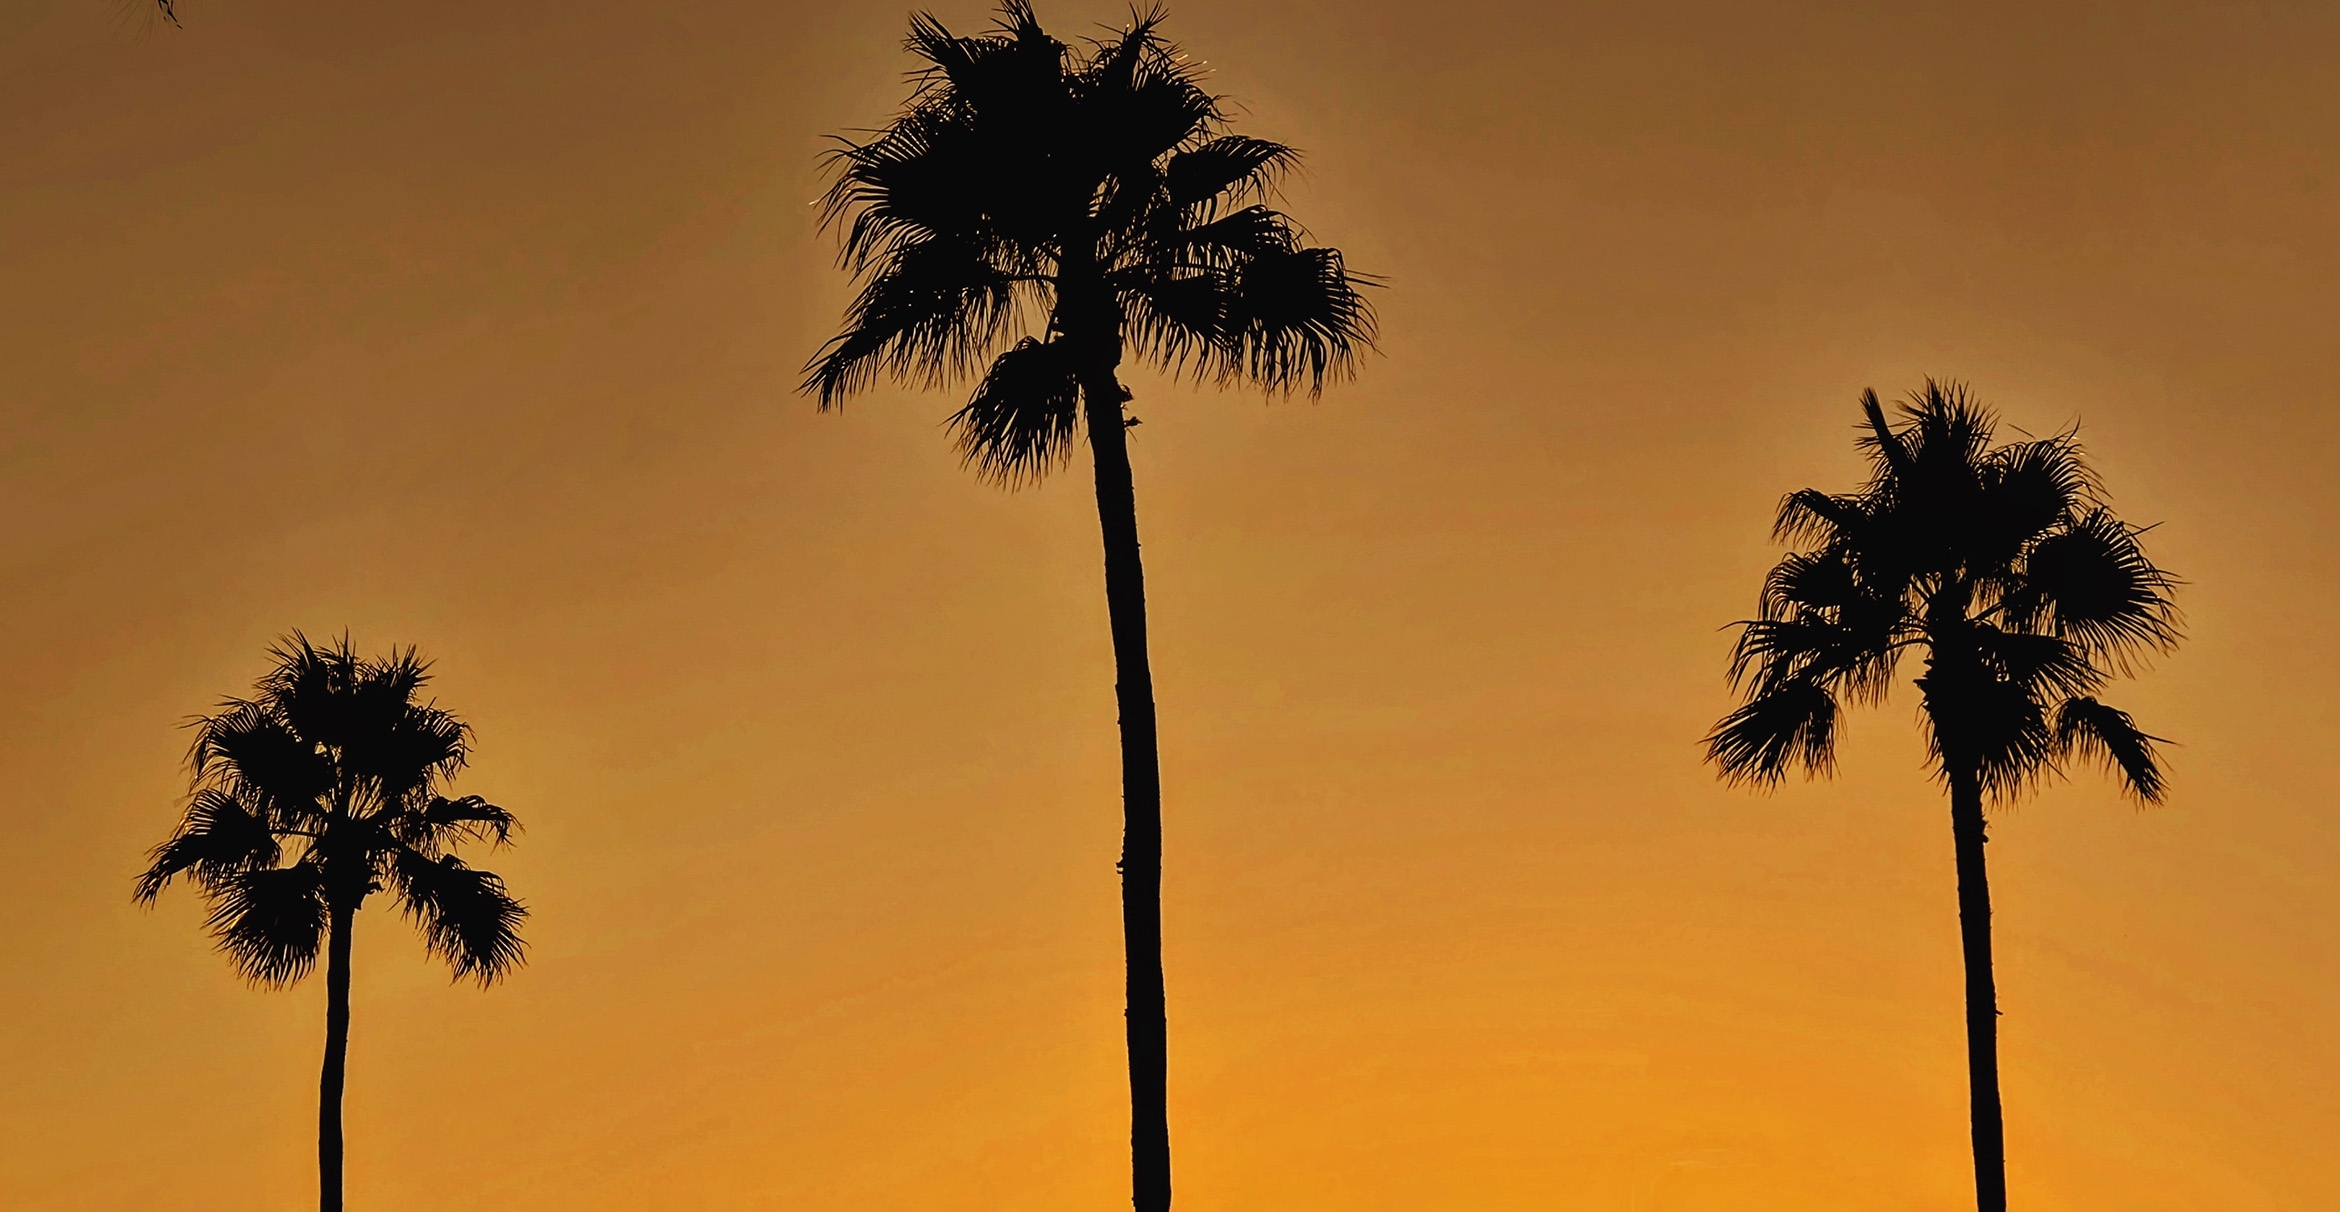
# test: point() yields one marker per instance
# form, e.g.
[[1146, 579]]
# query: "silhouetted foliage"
[[1035, 211], [2003, 564], [2005, 568], [1081, 198], [326, 787]]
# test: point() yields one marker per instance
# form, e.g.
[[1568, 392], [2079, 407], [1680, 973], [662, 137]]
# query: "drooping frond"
[[1820, 620], [466, 915], [1297, 318], [1285, 318], [270, 921], [1820, 580], [1230, 241], [1021, 421], [2044, 667], [1854, 656], [2003, 731], [928, 314], [1787, 726], [2092, 730], [218, 839]]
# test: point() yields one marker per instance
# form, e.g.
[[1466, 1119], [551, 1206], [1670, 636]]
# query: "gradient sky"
[[477, 326]]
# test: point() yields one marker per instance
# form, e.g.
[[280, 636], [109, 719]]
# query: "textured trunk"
[[336, 1058], [1141, 797], [1982, 1002]]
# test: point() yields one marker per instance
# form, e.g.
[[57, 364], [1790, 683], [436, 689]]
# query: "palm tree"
[[2005, 566], [1034, 213], [320, 790]]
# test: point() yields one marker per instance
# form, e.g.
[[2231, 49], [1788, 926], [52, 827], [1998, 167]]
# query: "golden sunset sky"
[[478, 327]]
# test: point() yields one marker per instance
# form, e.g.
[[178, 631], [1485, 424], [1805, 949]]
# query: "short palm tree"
[[1034, 213], [323, 788], [2006, 569]]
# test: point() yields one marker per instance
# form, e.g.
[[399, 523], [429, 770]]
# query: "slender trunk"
[[1141, 797], [1982, 1002], [336, 1060]]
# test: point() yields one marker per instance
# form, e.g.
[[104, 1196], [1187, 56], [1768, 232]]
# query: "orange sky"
[[477, 326]]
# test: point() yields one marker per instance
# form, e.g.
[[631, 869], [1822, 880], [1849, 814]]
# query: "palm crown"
[[2002, 563], [325, 787], [1096, 197]]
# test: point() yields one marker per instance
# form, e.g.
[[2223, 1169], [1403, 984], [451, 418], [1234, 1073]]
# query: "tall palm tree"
[[1035, 212], [323, 788], [2005, 567]]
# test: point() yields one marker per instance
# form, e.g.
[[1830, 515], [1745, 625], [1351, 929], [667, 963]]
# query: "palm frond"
[[2095, 586], [1179, 318], [1820, 580], [1020, 424], [929, 313], [1789, 725], [2001, 731], [2090, 729], [467, 917], [410, 753], [1859, 590], [1809, 514], [1233, 240], [1888, 448], [270, 921], [2041, 666], [2038, 487], [1946, 431], [218, 839], [444, 822], [1283, 319], [964, 66], [249, 750], [1853, 654], [1230, 169], [313, 690], [1135, 100]]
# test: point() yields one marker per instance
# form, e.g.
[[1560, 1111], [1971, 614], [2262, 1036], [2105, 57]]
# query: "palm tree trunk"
[[1141, 797], [336, 1060], [1982, 1001]]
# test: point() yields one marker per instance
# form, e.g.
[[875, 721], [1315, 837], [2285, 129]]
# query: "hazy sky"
[[477, 326]]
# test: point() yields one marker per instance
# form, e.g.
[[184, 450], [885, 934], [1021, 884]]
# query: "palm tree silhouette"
[[320, 790], [1100, 193], [2006, 567]]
